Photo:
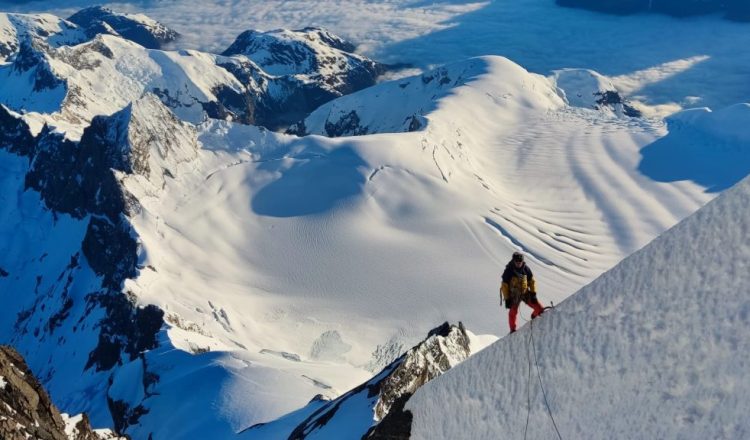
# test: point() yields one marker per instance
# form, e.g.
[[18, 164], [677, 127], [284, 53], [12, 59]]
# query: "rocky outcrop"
[[387, 393], [134, 27], [26, 410]]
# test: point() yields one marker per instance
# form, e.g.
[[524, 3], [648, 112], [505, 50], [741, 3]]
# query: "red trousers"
[[513, 312]]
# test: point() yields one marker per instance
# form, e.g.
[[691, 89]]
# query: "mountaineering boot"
[[538, 309]]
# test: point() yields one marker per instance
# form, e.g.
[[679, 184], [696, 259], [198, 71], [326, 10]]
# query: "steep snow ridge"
[[665, 331]]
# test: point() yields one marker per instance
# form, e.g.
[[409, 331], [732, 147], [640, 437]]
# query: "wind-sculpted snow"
[[654, 348]]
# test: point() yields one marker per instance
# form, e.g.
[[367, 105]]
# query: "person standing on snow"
[[519, 285]]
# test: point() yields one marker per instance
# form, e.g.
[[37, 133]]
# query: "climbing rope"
[[541, 385], [528, 391]]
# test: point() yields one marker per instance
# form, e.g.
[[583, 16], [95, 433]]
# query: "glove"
[[509, 303]]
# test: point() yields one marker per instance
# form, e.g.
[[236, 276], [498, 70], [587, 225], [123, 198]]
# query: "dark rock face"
[[30, 58], [26, 410], [736, 9], [423, 363], [78, 179], [123, 415], [15, 135], [613, 99], [348, 124], [396, 425], [147, 33], [29, 410], [110, 251]]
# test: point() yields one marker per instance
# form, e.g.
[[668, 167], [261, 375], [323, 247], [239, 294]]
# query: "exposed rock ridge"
[[26, 410], [387, 392], [445, 347]]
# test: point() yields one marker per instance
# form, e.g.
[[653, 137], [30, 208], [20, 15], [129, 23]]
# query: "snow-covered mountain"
[[18, 28], [654, 348], [67, 85], [138, 28], [197, 275]]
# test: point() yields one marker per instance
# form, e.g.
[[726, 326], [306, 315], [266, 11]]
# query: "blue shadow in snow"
[[312, 186], [690, 155]]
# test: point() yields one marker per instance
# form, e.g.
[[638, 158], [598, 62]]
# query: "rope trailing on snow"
[[528, 392], [541, 385]]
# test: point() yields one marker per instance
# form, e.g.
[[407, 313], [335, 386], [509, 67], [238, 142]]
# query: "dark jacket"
[[517, 281]]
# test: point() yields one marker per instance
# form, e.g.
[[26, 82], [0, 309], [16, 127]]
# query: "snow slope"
[[654, 348]]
